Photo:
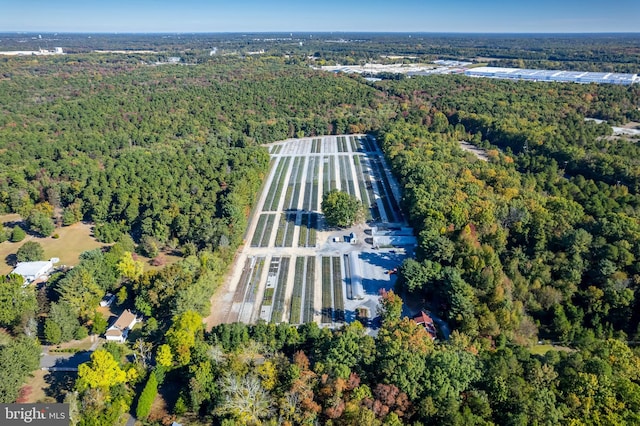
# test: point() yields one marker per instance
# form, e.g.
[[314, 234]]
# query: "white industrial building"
[[31, 271], [554, 75]]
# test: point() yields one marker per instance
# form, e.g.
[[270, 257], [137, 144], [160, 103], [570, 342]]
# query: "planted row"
[[366, 189], [278, 302], [327, 298], [292, 194], [275, 191], [346, 177], [298, 290], [338, 297], [316, 144], [309, 293], [355, 146], [386, 194], [342, 144], [263, 230]]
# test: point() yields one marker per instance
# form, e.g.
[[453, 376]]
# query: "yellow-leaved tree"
[[102, 372]]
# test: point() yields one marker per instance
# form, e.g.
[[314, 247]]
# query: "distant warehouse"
[[554, 75]]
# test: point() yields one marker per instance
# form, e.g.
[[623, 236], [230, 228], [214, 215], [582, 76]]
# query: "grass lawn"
[[543, 349], [73, 240], [45, 386]]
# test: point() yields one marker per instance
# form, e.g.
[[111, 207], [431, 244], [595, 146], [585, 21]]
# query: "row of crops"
[[292, 195], [329, 174], [284, 232], [316, 146], [368, 144], [301, 308], [245, 294], [346, 177], [308, 229], [332, 291], [275, 149], [274, 293], [310, 201], [275, 191], [355, 144], [389, 203], [263, 230], [342, 144], [365, 185], [278, 299]]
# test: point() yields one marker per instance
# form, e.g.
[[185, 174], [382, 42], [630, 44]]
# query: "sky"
[[495, 16]]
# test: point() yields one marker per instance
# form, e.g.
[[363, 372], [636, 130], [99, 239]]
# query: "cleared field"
[[72, 241], [304, 257]]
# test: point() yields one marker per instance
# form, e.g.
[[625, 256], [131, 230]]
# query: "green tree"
[[164, 356], [17, 234], [146, 397], [18, 358], [129, 268], [182, 335], [52, 332], [39, 222], [30, 251], [390, 308], [17, 302], [80, 291], [340, 208], [99, 323], [64, 317]]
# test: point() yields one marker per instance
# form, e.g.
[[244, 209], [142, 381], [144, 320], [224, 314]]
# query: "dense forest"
[[539, 242]]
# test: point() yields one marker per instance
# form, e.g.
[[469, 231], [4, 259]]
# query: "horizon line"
[[326, 32]]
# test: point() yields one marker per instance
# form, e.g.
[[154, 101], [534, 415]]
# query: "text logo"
[[34, 414]]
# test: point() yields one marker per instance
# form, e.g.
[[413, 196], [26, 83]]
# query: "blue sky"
[[328, 15]]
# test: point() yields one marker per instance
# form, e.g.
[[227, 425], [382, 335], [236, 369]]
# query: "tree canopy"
[[340, 208]]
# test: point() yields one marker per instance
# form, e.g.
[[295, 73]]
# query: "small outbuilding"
[[107, 300]]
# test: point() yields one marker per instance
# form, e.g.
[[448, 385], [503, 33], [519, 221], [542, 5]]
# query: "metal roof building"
[[31, 271], [554, 75]]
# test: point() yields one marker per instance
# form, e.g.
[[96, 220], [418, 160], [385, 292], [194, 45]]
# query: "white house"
[[119, 331], [31, 271]]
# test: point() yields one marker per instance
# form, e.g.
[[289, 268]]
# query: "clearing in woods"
[[293, 268]]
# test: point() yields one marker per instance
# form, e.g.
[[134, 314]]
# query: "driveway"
[[65, 361]]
